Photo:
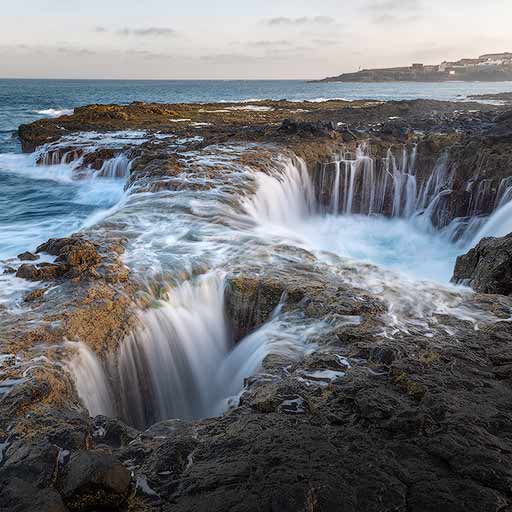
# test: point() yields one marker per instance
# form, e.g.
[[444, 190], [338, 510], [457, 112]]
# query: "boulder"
[[42, 272], [487, 268], [93, 480], [306, 128], [19, 496], [27, 256], [397, 128], [76, 257]]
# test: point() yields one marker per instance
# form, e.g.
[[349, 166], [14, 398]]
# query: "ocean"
[[36, 204]]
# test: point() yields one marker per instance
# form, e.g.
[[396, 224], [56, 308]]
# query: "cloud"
[[268, 44], [78, 52], [148, 32], [386, 12], [230, 58], [326, 42], [300, 22], [149, 55], [139, 32], [393, 5]]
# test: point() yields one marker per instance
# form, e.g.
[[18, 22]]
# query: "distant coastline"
[[493, 67]]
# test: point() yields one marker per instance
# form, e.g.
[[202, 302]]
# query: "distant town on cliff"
[[492, 67]]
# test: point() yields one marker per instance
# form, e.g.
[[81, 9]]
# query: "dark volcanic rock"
[[487, 268], [372, 420], [20, 496], [317, 129], [397, 128], [94, 479]]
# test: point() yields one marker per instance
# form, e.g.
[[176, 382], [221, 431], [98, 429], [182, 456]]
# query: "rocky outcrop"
[[75, 258], [487, 268], [370, 416]]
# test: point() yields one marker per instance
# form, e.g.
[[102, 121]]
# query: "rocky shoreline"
[[392, 410]]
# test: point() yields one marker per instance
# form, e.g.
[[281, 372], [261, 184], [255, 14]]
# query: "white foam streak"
[[53, 112]]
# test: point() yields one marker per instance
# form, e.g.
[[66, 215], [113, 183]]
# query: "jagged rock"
[[397, 128], [95, 159], [318, 129], [412, 423], [113, 432], [76, 257], [34, 295], [41, 272], [94, 479], [19, 495], [74, 252], [28, 256], [487, 268]]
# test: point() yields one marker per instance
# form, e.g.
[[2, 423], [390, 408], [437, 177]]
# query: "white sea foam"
[[52, 112]]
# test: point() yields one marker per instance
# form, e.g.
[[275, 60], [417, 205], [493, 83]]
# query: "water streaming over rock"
[[91, 381], [117, 167], [168, 367], [182, 360], [362, 184]]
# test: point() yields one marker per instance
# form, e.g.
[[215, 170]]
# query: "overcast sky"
[[192, 39]]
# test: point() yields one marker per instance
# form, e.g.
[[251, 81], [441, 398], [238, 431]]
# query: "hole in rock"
[[183, 362]]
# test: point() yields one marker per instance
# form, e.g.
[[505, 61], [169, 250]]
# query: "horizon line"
[[169, 79]]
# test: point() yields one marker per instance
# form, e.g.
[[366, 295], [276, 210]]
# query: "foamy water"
[[182, 361], [40, 202], [187, 238]]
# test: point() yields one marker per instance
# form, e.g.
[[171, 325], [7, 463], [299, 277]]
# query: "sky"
[[241, 39]]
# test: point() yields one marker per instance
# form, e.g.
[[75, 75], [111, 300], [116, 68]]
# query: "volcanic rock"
[[487, 268], [94, 479], [27, 256]]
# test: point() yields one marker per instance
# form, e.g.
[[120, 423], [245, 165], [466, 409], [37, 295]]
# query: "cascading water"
[[182, 361], [284, 197], [91, 382], [360, 184], [168, 368], [117, 167], [499, 224]]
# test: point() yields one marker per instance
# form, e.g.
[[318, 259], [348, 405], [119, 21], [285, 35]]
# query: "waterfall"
[[181, 361], [117, 167], [498, 224], [360, 186], [167, 368], [504, 193], [286, 195], [91, 381]]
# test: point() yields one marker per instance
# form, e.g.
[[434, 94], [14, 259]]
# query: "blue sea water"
[[35, 205]]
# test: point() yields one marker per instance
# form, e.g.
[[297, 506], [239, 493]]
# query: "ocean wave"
[[320, 100], [52, 112], [293, 100]]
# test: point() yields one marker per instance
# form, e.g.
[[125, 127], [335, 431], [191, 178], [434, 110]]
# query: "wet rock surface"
[[368, 418], [487, 268]]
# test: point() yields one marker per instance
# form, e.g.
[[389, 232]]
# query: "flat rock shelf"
[[272, 312]]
